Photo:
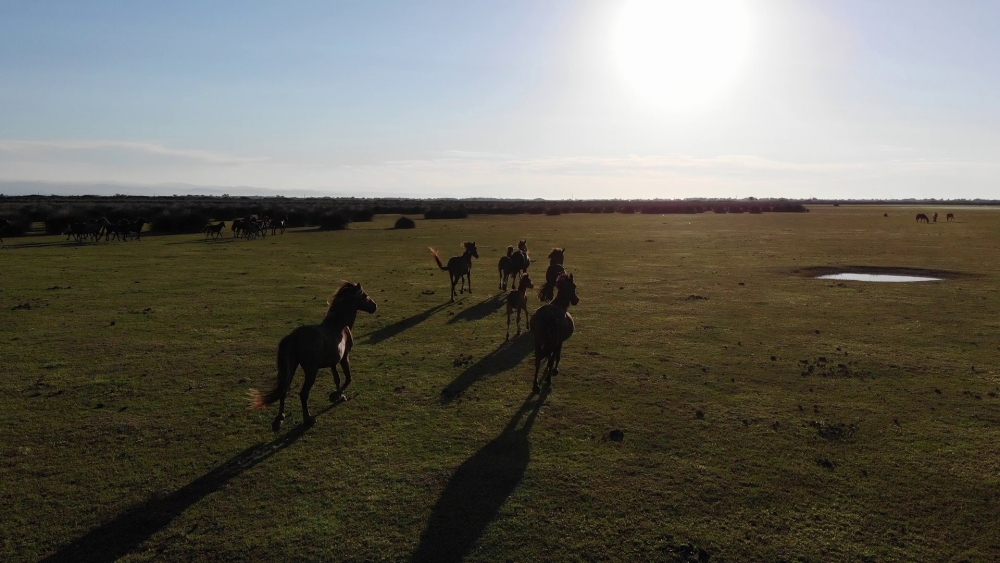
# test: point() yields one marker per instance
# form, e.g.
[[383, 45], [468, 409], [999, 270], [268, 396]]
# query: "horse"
[[935, 217], [520, 261], [459, 267], [214, 230], [236, 227], [505, 269], [315, 347], [276, 225], [924, 217], [552, 274], [950, 217], [137, 225], [81, 231], [4, 225], [552, 325], [518, 301]]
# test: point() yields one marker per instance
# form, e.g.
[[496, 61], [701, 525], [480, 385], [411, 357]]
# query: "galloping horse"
[[518, 301], [555, 270], [505, 269], [278, 225], [520, 261], [459, 266], [552, 325], [315, 347], [924, 217], [137, 225], [214, 230], [950, 217]]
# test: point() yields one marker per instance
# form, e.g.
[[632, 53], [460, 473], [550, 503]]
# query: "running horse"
[[215, 231], [505, 268], [459, 267], [315, 347], [518, 301], [552, 325], [552, 274]]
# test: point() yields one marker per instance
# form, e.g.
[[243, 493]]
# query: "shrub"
[[552, 211], [179, 219], [405, 223]]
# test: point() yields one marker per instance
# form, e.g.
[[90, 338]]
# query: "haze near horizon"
[[562, 99]]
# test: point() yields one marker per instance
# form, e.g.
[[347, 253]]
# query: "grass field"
[[125, 368]]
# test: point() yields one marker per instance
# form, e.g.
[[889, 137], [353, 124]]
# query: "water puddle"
[[848, 276]]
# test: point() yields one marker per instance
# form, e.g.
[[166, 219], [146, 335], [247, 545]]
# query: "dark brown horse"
[[278, 224], [505, 269], [935, 217], [552, 274], [459, 267], [215, 231], [315, 347], [921, 216], [4, 225], [520, 261], [950, 217], [552, 325], [518, 301]]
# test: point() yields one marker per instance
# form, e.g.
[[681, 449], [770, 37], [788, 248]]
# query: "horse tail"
[[286, 369], [437, 258]]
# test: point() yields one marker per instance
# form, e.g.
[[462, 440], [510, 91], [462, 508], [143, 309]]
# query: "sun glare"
[[681, 54]]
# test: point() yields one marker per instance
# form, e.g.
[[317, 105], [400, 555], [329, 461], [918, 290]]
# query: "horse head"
[[525, 283], [567, 286], [470, 247], [523, 246], [365, 303]]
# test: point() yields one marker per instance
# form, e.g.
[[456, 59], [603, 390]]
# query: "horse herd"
[[328, 344], [93, 230], [923, 217], [249, 227]]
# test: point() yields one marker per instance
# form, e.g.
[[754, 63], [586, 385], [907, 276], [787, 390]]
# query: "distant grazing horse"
[[315, 347], [935, 217], [921, 216], [552, 325], [552, 274], [950, 217], [518, 301], [459, 267], [215, 231], [505, 268], [4, 225]]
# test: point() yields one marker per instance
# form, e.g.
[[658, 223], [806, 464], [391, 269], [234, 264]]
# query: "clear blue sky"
[[521, 99]]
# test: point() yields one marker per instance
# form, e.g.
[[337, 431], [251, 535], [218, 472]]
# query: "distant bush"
[[58, 219], [405, 223], [446, 213], [178, 219], [333, 220], [553, 211]]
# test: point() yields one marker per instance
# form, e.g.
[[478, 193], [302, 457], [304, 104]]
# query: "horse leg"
[[345, 364], [470, 280], [454, 282], [539, 352], [554, 364], [519, 320], [335, 395], [304, 395]]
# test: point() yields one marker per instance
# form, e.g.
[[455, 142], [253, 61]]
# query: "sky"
[[524, 99]]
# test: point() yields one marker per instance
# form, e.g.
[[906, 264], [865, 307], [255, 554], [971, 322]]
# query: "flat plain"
[[765, 415]]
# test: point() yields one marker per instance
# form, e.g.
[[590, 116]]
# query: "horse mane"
[[555, 251], [561, 281], [346, 289], [466, 244]]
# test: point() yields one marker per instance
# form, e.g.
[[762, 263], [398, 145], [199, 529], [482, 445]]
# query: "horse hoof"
[[276, 424], [335, 397]]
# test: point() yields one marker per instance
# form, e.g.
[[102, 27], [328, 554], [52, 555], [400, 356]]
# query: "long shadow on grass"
[[480, 310], [49, 244], [126, 532], [387, 332], [508, 355], [478, 489]]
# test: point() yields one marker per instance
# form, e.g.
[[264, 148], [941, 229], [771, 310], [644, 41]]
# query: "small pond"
[[849, 276]]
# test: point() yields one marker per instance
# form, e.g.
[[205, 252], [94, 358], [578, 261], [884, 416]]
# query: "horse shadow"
[[49, 244], [218, 240], [507, 356], [480, 310], [127, 531], [478, 489], [387, 332]]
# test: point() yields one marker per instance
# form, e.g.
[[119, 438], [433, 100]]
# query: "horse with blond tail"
[[552, 274], [315, 347], [459, 267]]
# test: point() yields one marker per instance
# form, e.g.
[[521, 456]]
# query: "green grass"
[[126, 433]]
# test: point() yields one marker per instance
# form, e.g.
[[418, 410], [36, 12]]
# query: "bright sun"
[[681, 54]]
